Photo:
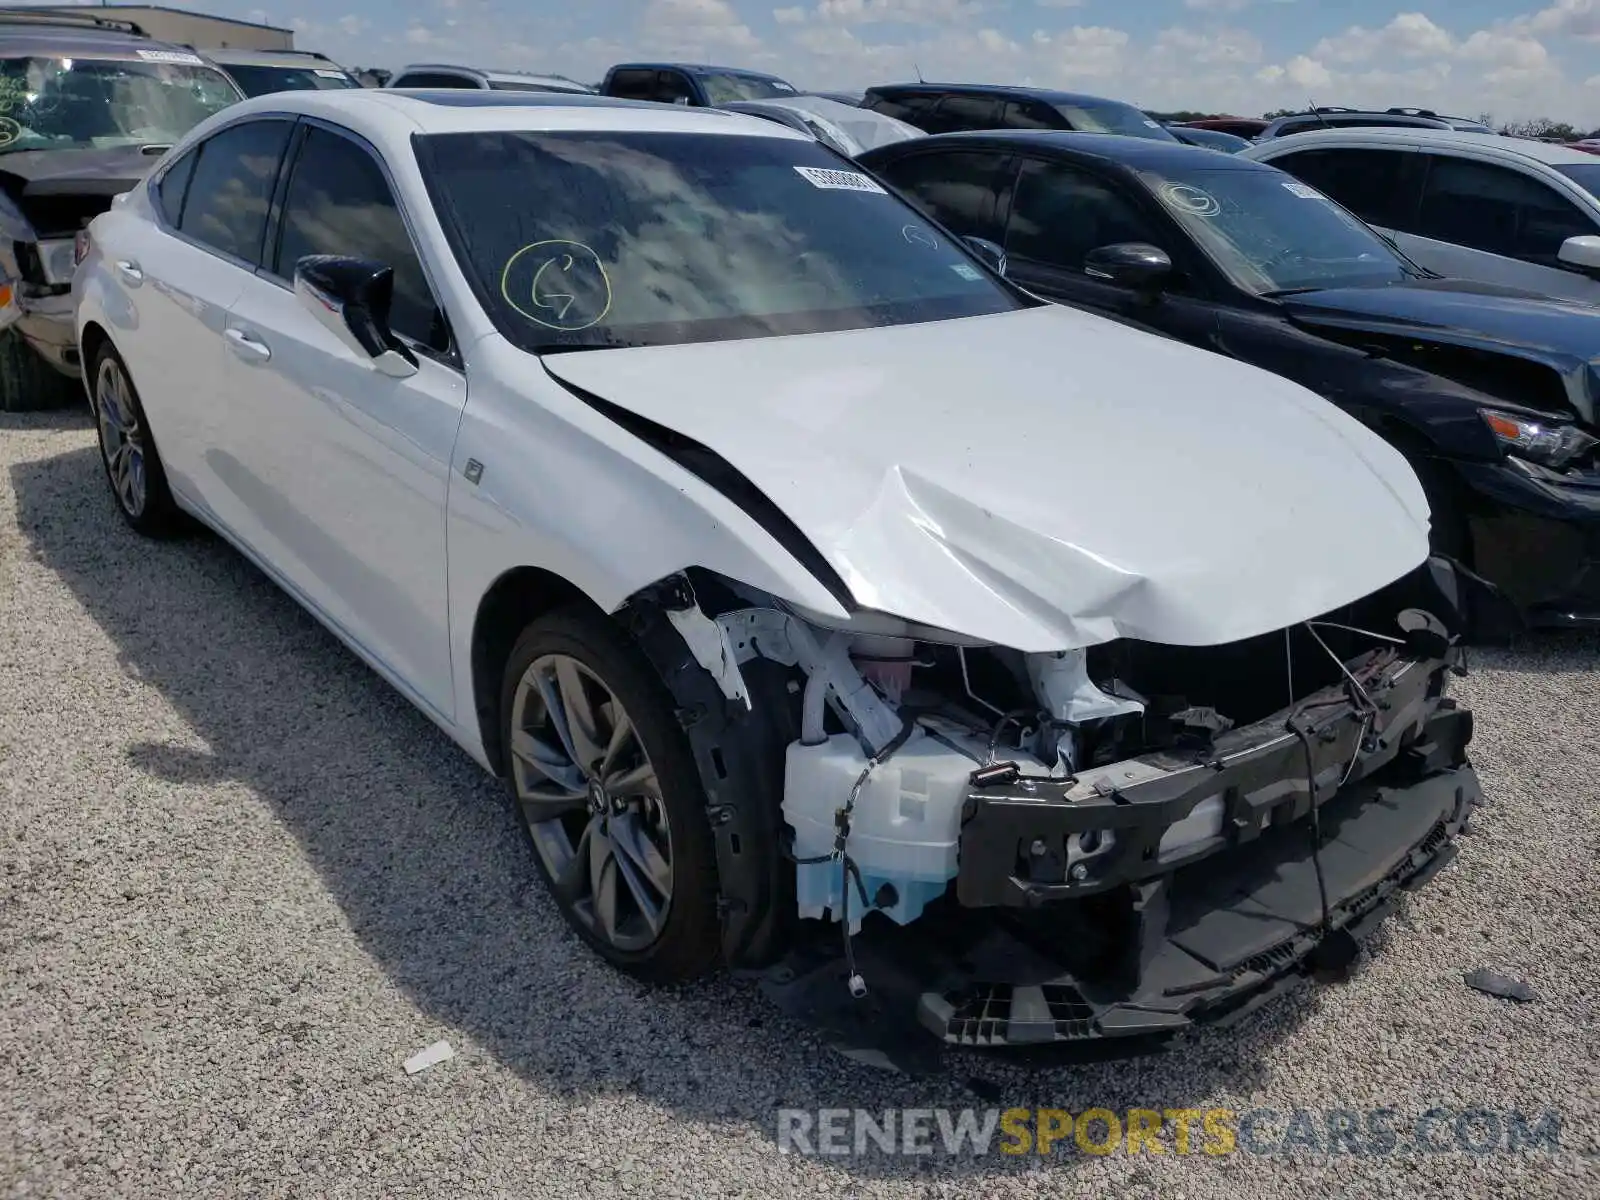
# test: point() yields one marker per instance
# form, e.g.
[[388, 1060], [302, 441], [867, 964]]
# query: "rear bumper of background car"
[[1537, 536], [49, 327]]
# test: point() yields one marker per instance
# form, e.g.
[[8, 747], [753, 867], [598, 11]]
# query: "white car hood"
[[1043, 479]]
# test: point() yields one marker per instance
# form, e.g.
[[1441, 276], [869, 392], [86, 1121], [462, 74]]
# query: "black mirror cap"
[[1129, 264], [361, 289]]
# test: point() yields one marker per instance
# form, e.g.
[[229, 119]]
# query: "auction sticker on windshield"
[[1302, 190], [170, 56], [843, 181]]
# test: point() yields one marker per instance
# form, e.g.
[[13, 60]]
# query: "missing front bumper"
[[1038, 944]]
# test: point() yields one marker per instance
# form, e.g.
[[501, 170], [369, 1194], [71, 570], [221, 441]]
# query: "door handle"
[[247, 347], [130, 272]]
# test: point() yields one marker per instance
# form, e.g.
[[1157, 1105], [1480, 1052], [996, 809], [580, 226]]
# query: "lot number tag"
[[839, 181]]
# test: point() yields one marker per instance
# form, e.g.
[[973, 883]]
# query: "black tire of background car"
[[161, 518], [27, 382], [690, 944]]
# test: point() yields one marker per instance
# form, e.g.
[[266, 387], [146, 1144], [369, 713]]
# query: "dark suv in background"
[[694, 84], [87, 106], [961, 108]]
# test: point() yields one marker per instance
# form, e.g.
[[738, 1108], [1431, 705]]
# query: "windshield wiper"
[[1294, 291], [580, 347]]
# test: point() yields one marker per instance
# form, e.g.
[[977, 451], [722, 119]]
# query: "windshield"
[[1272, 234], [261, 81], [78, 103], [1106, 116], [724, 87], [590, 240]]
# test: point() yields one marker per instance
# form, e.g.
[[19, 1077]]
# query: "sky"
[[1514, 59]]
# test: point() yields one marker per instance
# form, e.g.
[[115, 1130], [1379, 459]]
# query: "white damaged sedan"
[[968, 664]]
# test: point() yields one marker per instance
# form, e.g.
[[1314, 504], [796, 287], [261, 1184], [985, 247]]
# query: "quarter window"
[[173, 186], [1490, 208], [339, 202], [915, 108], [1062, 213], [232, 186]]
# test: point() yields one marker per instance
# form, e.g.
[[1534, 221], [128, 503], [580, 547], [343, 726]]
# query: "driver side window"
[[1061, 213], [339, 202]]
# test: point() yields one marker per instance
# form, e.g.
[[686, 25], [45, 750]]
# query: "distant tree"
[[1543, 129], [1280, 112]]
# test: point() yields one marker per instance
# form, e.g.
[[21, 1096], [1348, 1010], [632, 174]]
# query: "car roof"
[[1139, 153], [1000, 89], [1443, 139], [694, 68], [65, 41], [237, 56], [392, 115]]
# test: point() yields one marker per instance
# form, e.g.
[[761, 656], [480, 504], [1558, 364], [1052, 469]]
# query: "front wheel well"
[[519, 596], [89, 344]]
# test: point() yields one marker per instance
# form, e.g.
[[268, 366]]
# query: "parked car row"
[[1001, 583]]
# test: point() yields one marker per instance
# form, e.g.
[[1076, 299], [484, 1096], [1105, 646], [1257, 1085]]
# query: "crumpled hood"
[[1555, 333], [1043, 479]]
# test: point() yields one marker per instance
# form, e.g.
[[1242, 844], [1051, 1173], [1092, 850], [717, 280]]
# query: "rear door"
[[181, 274], [348, 468], [1490, 222]]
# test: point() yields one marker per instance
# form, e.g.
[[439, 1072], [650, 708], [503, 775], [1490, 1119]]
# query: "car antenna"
[[1317, 112], [918, 70]]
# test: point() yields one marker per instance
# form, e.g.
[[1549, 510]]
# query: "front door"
[[348, 468]]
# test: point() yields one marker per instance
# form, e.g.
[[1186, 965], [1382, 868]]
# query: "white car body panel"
[[1161, 492], [1531, 159]]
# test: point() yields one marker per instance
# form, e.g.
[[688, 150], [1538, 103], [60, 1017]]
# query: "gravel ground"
[[241, 881]]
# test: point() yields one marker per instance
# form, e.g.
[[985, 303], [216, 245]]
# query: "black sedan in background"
[[1491, 394]]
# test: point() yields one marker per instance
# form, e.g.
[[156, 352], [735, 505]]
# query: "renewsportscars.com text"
[[1204, 1132]]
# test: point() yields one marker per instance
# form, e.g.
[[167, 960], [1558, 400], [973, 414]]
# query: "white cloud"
[[1303, 72], [1217, 5], [1223, 46], [679, 26], [789, 16], [1568, 18], [905, 12]]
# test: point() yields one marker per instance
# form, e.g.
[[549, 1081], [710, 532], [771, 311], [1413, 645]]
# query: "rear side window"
[[1497, 210], [1373, 184], [1030, 114], [633, 85], [913, 109], [431, 79], [956, 113], [232, 187], [172, 187], [339, 202], [673, 87], [959, 190]]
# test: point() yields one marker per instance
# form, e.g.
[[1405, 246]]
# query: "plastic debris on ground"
[[423, 1059]]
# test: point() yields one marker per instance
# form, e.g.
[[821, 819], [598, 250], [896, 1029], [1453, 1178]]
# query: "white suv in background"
[[1469, 205]]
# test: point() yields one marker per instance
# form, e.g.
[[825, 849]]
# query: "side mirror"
[[1136, 265], [989, 252], [351, 298], [1581, 254]]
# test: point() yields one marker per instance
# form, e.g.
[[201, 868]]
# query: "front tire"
[[610, 797], [128, 451]]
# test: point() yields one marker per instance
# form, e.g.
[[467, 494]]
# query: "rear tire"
[[610, 797], [27, 382], [128, 450]]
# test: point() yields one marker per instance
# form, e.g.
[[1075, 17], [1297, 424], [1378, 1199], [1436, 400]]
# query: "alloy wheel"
[[122, 439], [592, 801]]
